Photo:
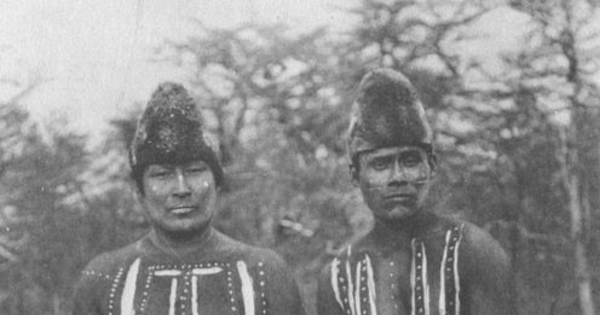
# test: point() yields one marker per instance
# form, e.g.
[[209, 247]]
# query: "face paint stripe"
[[127, 297], [371, 286], [335, 271], [247, 288], [442, 303], [173, 296]]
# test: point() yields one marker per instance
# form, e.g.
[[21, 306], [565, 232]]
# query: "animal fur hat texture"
[[387, 112], [170, 132]]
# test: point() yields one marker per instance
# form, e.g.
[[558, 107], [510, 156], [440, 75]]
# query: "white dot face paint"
[[179, 198]]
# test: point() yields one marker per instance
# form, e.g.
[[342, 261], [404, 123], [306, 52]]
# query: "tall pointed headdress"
[[387, 112], [170, 132]]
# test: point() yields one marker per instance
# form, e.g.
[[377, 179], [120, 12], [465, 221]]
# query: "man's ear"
[[354, 175], [433, 163], [138, 195], [354, 168]]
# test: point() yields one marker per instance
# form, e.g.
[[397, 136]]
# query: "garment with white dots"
[[222, 276]]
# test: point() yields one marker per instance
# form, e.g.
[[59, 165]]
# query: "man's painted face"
[[394, 181], [179, 198]]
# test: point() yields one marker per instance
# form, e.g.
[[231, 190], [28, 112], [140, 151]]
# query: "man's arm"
[[489, 284], [326, 300], [85, 301], [282, 289]]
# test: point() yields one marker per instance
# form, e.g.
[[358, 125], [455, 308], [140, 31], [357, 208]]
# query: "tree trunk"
[[584, 285], [56, 304], [582, 274], [572, 184]]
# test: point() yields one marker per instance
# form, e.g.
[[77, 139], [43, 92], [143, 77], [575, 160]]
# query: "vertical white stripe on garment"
[[335, 272], [128, 295], [195, 295], [357, 289], [173, 296], [247, 288], [424, 280], [371, 286], [442, 304], [350, 287], [456, 276], [413, 278]]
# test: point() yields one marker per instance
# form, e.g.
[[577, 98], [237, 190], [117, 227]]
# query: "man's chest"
[[422, 280], [149, 288]]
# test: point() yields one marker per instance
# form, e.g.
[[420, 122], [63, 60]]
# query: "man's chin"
[[184, 229], [400, 213]]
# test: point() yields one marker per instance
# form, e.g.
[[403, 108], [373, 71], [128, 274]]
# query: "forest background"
[[518, 145]]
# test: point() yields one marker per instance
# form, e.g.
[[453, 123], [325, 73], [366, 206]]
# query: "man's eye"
[[162, 174], [379, 165], [412, 161], [197, 170]]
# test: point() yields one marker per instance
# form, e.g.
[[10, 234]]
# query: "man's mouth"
[[181, 210], [401, 197]]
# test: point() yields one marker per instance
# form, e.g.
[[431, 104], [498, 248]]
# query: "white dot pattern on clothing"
[[182, 297], [113, 290]]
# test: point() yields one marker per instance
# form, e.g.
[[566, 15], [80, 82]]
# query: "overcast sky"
[[93, 56]]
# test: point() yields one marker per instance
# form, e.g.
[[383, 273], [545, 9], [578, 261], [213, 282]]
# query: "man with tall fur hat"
[[183, 265], [414, 261]]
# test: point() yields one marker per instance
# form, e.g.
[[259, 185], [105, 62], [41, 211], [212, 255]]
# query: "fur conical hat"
[[170, 132], [387, 113]]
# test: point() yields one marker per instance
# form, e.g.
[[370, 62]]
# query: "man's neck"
[[402, 231], [175, 243]]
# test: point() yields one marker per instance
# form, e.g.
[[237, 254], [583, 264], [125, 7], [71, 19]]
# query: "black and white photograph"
[[299, 157]]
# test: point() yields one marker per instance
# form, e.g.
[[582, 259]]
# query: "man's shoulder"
[[109, 263], [473, 240], [249, 253], [478, 240], [481, 255], [351, 252], [434, 227]]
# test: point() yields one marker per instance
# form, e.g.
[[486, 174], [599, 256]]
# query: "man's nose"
[[182, 187], [400, 174]]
